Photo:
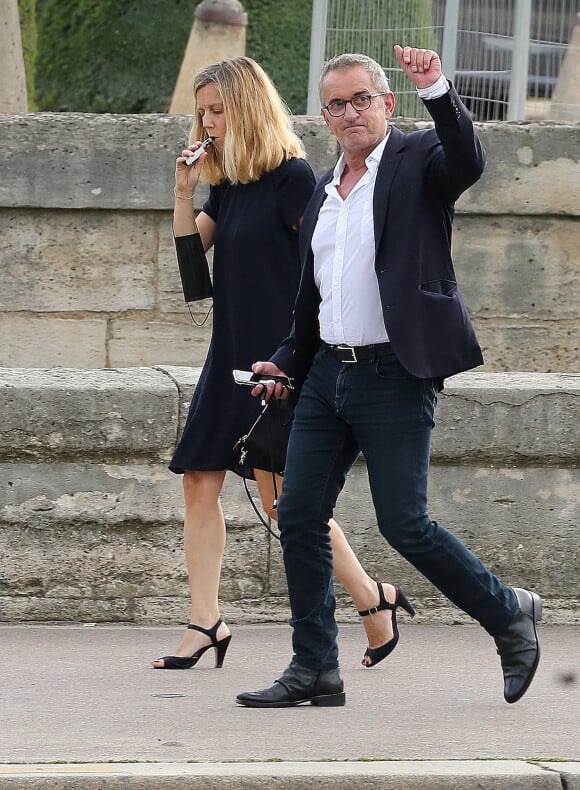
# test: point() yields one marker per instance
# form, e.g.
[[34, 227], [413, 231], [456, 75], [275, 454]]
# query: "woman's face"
[[211, 110]]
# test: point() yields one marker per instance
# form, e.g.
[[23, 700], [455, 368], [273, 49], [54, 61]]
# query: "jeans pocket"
[[390, 368]]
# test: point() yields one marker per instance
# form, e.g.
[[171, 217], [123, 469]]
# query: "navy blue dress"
[[256, 273]]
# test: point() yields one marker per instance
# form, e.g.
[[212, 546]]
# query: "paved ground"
[[86, 694]]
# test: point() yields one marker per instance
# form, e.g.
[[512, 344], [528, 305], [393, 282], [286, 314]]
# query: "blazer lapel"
[[390, 161]]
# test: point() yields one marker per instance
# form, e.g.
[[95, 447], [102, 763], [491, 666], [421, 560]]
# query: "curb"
[[371, 775]]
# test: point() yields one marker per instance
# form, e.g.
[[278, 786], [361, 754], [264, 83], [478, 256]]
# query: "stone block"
[[175, 341], [322, 149], [521, 268], [49, 341], [533, 168], [41, 609], [185, 380], [509, 417], [72, 261], [90, 161], [520, 520], [120, 529], [531, 346], [86, 413], [110, 534]]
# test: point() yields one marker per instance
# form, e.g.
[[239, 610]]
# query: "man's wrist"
[[439, 88]]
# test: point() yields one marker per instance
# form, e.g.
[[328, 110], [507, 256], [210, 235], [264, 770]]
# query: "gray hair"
[[352, 60]]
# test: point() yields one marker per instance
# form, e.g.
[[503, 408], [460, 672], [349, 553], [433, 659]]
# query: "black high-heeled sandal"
[[377, 654], [185, 662]]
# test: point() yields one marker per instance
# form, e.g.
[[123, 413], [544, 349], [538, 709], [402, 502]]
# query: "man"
[[379, 323]]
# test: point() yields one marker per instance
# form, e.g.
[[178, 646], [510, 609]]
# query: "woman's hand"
[[187, 176]]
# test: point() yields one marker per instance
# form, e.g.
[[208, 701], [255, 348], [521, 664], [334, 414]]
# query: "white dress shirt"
[[343, 244]]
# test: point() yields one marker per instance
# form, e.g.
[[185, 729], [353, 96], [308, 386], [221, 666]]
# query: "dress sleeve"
[[211, 207], [295, 189]]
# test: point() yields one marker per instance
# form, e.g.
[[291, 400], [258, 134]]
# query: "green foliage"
[[27, 13], [106, 56], [124, 57], [279, 38]]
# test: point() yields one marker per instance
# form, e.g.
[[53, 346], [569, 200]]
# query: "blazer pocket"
[[439, 288]]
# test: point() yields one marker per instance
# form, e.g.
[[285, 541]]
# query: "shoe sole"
[[322, 701], [536, 617]]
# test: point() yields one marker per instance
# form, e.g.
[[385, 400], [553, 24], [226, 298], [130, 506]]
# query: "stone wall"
[[98, 363], [89, 272], [91, 519]]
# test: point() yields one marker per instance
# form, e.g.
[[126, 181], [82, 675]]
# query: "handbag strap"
[[257, 512], [275, 485]]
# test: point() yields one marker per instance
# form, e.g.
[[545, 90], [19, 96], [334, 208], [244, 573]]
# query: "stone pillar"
[[565, 104], [13, 97], [219, 31]]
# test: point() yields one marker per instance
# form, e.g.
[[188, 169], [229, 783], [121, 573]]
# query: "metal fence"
[[509, 59]]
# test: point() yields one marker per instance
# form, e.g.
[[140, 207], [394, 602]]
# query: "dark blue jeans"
[[379, 409]]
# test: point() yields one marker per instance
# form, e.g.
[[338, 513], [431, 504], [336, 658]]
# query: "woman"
[[260, 184]]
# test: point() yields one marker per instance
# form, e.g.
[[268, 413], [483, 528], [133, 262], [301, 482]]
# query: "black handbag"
[[265, 444], [264, 447]]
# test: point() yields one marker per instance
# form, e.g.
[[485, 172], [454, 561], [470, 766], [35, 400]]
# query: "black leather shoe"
[[298, 685], [518, 646]]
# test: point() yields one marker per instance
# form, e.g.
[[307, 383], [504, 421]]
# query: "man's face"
[[358, 132]]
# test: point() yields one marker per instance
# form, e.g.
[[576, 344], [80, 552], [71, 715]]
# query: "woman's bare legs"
[[347, 569], [361, 588], [204, 534]]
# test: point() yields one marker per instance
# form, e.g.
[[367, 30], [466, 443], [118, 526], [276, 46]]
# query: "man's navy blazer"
[[420, 176]]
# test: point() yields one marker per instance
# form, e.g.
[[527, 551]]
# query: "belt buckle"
[[352, 351]]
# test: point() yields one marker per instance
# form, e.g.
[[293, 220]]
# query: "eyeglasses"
[[337, 107]]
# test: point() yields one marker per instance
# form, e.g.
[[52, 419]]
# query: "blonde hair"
[[259, 127]]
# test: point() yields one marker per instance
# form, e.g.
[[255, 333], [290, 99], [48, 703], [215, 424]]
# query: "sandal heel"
[[220, 650], [401, 600]]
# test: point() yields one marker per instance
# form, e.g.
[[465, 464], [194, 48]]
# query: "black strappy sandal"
[[377, 654], [186, 662]]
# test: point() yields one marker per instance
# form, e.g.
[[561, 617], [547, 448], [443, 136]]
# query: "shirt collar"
[[372, 160]]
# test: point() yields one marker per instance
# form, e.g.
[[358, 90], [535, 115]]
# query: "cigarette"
[[196, 154]]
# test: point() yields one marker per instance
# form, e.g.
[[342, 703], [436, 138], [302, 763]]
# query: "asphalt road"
[[88, 694]]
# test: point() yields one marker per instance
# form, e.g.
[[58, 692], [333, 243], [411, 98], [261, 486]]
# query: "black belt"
[[360, 353]]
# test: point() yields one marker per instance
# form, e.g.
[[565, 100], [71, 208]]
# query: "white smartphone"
[[250, 379], [197, 153]]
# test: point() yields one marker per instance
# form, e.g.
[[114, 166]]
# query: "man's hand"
[[422, 66], [265, 391]]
